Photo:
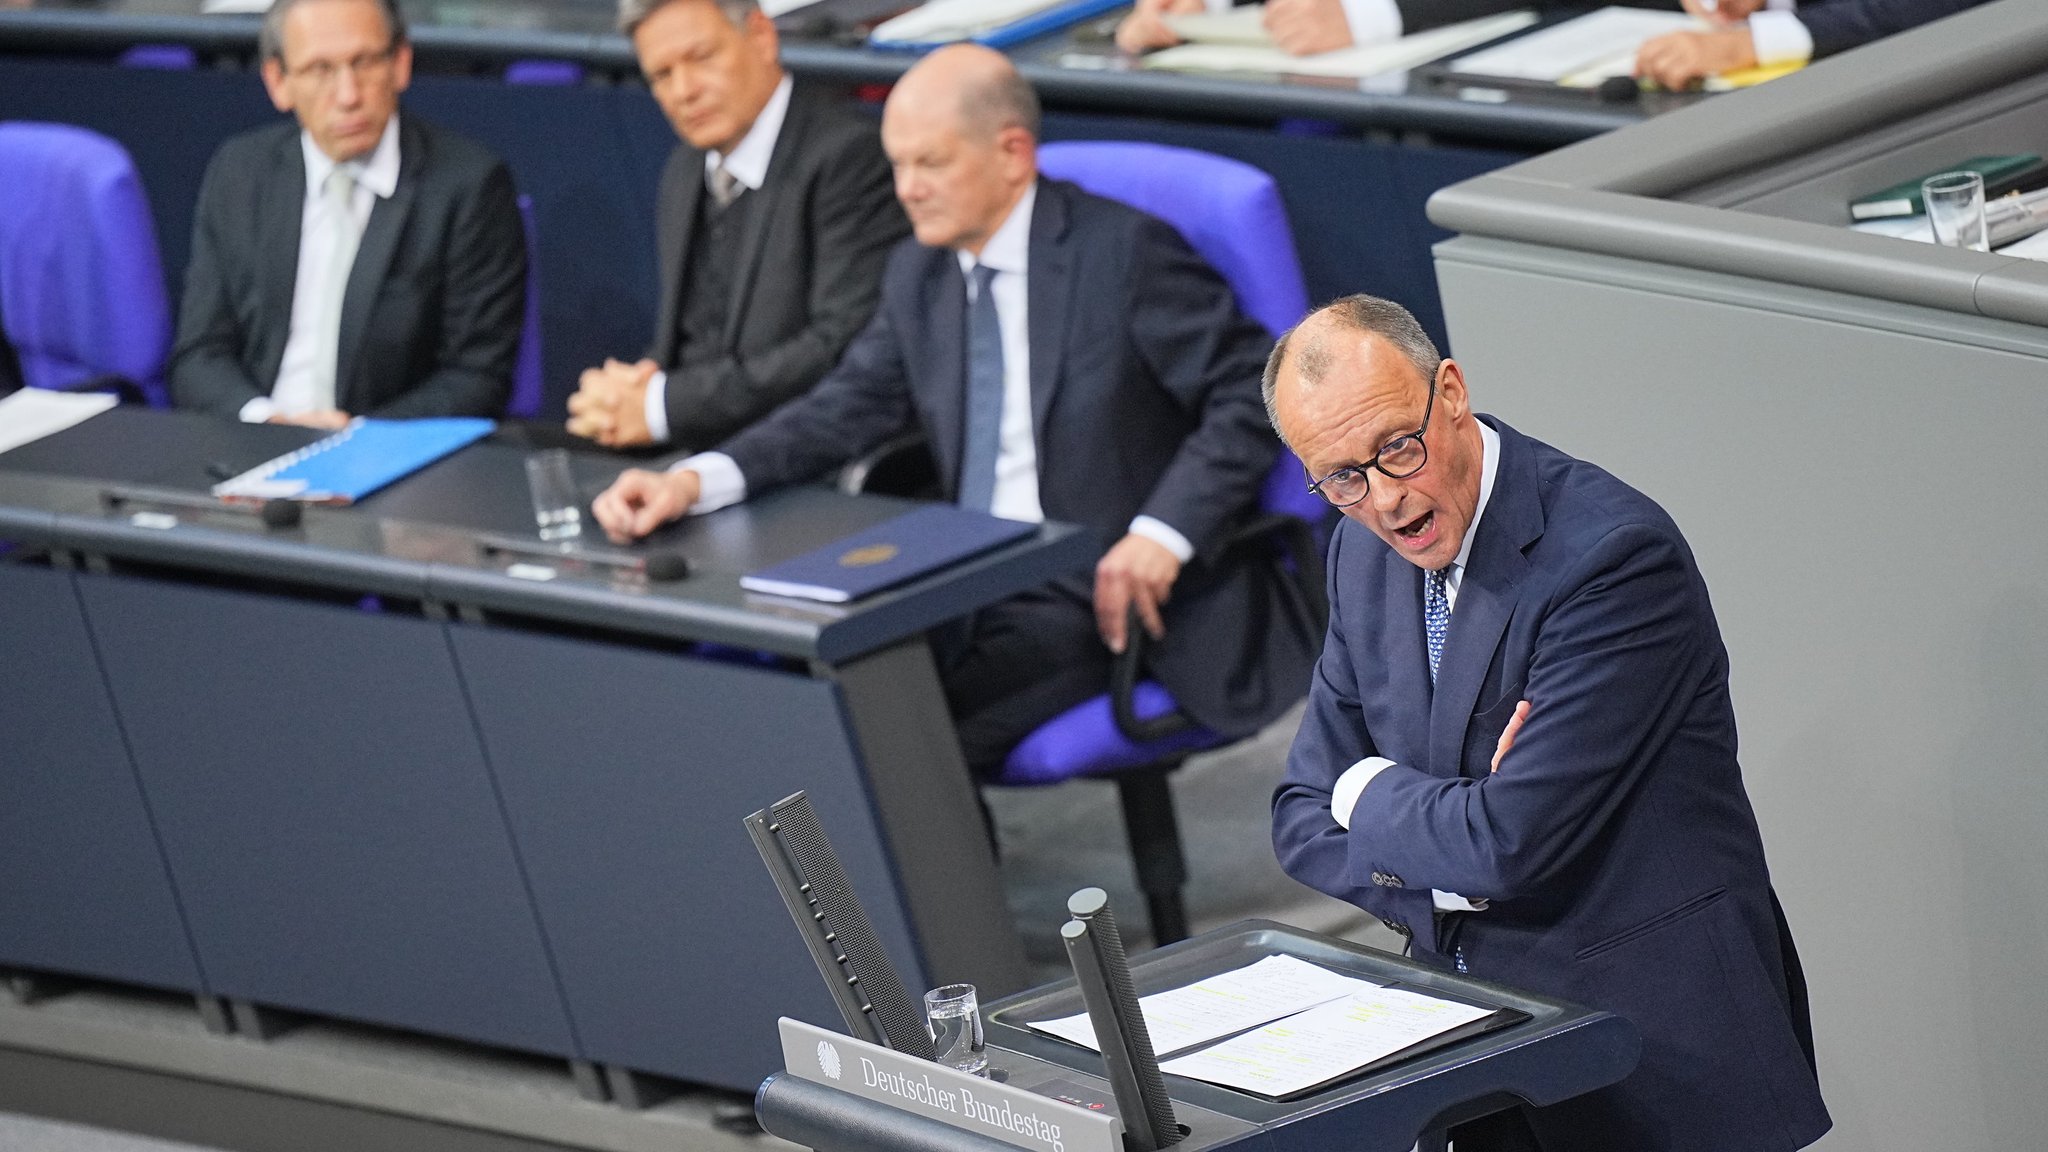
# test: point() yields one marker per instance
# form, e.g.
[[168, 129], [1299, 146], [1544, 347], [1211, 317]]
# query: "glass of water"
[[953, 1018], [557, 506], [1955, 210]]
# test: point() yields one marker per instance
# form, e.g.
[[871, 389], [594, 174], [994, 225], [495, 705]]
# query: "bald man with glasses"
[[354, 261]]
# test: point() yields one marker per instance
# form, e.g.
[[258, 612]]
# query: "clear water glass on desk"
[[1955, 210], [953, 1018], [557, 505]]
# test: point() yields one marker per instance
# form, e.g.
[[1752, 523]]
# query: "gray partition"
[[1848, 429], [625, 775], [82, 884], [326, 811]]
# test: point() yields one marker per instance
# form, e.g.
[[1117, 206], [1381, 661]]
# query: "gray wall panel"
[[326, 811], [1865, 504], [82, 884], [626, 775]]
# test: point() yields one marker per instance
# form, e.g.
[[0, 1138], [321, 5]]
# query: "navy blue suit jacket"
[[1839, 25], [1616, 843], [1144, 399]]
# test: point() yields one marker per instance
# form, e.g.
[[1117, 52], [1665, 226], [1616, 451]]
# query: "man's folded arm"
[[855, 222], [483, 307], [1839, 25], [1616, 664]]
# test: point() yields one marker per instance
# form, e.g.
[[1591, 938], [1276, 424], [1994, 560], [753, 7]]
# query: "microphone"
[[273, 513], [662, 567], [1618, 90], [657, 567]]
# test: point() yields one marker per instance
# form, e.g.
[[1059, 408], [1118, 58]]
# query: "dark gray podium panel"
[[82, 883], [326, 811], [625, 775]]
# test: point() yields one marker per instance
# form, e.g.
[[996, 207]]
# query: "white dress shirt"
[[748, 164], [376, 179], [1345, 792], [1008, 251], [1778, 36]]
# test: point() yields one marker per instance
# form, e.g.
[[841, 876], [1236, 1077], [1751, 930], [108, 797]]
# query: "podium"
[[844, 1102]]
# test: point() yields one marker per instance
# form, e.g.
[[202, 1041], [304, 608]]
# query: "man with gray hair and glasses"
[[355, 262], [773, 222]]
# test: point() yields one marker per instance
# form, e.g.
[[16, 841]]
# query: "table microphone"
[[658, 567], [273, 513]]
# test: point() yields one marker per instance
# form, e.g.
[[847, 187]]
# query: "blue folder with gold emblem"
[[892, 552]]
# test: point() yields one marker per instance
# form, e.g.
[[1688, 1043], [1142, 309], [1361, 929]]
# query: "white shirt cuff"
[[1780, 5], [657, 407], [1163, 534], [1779, 38], [1452, 902], [1218, 7], [719, 480], [258, 410], [1372, 21], [1345, 792]]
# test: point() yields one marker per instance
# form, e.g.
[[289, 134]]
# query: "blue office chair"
[[527, 375], [1135, 734], [81, 281]]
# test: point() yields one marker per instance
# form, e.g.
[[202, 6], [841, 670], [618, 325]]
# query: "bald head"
[[961, 131]]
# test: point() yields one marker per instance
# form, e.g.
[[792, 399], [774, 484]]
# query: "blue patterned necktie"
[[1436, 615], [984, 395]]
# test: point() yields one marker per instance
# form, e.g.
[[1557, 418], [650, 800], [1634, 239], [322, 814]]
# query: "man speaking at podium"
[[1519, 749]]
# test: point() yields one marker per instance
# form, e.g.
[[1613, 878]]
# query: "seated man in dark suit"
[[357, 262], [1068, 358], [1765, 32], [774, 220], [1519, 749]]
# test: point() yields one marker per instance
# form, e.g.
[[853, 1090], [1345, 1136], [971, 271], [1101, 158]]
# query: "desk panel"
[[84, 887], [326, 811], [625, 776]]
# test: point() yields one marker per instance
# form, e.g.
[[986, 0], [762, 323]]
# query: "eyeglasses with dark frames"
[[1397, 459]]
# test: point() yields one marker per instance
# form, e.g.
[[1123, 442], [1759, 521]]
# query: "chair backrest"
[[81, 280], [1231, 213], [526, 370]]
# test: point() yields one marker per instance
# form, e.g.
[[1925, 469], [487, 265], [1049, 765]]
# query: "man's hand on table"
[[640, 501]]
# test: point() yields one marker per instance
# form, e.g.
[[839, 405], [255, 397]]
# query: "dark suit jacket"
[[810, 267], [1839, 25], [1144, 398], [430, 323], [1616, 843]]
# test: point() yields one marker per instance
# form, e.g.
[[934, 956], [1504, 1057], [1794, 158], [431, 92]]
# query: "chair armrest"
[[1298, 537], [1123, 682], [901, 466]]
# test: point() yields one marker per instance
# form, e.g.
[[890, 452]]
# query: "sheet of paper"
[[2034, 247], [1590, 47], [1407, 52], [957, 19], [1221, 1005], [1325, 1042], [34, 413], [774, 8], [1244, 25], [1902, 227]]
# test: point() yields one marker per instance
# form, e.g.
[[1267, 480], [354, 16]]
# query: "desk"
[[476, 805], [1354, 162]]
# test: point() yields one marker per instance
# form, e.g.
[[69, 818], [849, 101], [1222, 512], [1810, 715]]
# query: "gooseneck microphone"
[[273, 513], [1102, 972]]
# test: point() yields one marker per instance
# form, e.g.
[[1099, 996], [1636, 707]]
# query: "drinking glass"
[[953, 1018], [557, 507], [1955, 210]]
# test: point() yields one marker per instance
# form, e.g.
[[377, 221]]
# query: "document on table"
[[1246, 25], [774, 8], [1370, 60], [1579, 52], [940, 20], [1222, 1005], [33, 413], [1325, 1043]]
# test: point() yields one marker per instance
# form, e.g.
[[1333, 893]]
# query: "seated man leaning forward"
[[357, 262], [773, 222], [1519, 749], [1066, 357]]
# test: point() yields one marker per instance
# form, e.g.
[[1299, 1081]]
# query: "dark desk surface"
[[1076, 69], [420, 539]]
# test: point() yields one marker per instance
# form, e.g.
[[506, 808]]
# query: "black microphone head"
[[1618, 90], [666, 566], [282, 513]]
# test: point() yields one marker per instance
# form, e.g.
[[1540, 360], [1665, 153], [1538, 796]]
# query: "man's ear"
[[1450, 389], [401, 66], [274, 84]]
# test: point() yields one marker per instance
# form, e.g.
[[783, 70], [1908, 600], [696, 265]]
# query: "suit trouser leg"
[[1016, 665]]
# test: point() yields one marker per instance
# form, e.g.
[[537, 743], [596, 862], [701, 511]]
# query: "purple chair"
[[163, 57], [526, 370], [545, 73], [1230, 213], [81, 283]]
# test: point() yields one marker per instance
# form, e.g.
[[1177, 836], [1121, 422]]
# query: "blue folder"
[[356, 461], [890, 553], [1017, 31]]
